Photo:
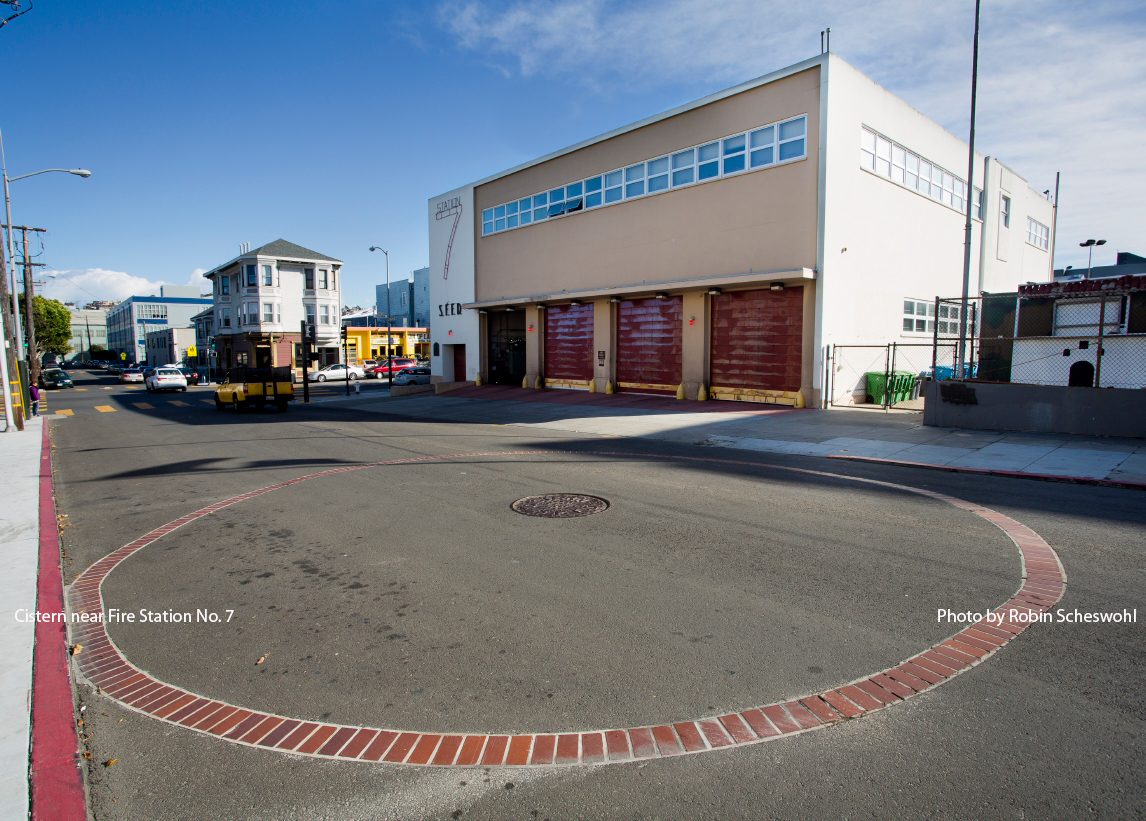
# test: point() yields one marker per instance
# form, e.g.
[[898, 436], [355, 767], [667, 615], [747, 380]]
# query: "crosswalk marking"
[[105, 408], [143, 406], [179, 403], [64, 413], [208, 401], [109, 389]]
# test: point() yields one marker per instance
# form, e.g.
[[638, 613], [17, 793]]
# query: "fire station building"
[[720, 247]]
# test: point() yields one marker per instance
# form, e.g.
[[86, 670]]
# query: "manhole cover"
[[560, 505]]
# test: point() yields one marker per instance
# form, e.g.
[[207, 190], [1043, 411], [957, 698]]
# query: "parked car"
[[166, 379], [54, 378], [191, 376], [383, 368], [147, 371], [116, 368], [131, 375], [336, 373], [412, 376]]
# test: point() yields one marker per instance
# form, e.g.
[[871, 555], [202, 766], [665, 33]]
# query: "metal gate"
[[879, 376]]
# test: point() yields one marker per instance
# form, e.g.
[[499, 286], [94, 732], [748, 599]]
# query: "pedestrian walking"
[[34, 392]]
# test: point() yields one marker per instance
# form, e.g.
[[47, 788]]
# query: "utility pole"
[[32, 358]]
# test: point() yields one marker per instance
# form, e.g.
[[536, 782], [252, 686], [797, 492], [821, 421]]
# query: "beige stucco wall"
[[759, 220]]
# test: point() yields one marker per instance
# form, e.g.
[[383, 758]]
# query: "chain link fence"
[[879, 376], [1088, 338]]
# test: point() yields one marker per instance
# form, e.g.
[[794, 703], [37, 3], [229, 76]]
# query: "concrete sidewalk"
[[19, 550], [840, 433]]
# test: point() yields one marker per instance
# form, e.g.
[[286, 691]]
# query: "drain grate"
[[560, 505]]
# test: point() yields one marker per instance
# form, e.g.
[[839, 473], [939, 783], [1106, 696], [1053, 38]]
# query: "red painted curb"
[[1043, 584], [57, 784], [1011, 474]]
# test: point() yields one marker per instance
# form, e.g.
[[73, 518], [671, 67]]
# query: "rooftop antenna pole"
[[959, 369], [829, 38], [821, 41], [1054, 221]]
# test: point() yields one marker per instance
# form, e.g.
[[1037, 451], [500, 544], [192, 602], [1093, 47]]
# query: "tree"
[[53, 324]]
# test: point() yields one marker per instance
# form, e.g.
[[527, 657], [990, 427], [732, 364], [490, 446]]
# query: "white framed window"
[[891, 160], [308, 279], [948, 319], [324, 314], [918, 316], [309, 314], [268, 312], [748, 151], [1005, 211], [1076, 317], [322, 279], [252, 278], [1038, 234], [251, 313], [268, 275]]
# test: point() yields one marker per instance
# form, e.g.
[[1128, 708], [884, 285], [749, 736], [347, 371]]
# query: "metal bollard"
[[357, 387]]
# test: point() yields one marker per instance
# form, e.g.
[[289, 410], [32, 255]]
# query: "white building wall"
[[899, 244], [451, 221]]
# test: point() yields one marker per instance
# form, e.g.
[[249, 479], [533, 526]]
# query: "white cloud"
[[83, 285], [1058, 91]]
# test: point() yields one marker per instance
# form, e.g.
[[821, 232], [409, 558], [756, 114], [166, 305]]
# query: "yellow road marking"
[[105, 409], [64, 413], [81, 389], [143, 406], [179, 403]]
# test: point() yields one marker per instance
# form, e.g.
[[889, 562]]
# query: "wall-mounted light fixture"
[[661, 295], [509, 309], [542, 306], [692, 320], [776, 286], [614, 299], [531, 329], [574, 302], [714, 292]]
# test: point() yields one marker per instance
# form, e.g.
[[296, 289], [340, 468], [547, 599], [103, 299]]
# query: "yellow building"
[[370, 343]]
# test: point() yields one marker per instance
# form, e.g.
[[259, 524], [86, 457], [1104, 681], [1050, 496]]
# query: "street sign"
[[123, 356], [192, 351]]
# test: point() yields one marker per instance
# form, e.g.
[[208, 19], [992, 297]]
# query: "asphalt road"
[[412, 596]]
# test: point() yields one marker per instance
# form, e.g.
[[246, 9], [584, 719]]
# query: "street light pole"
[[79, 172], [967, 202], [1089, 246], [389, 355]]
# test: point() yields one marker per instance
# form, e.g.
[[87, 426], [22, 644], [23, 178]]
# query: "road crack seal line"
[[1043, 585]]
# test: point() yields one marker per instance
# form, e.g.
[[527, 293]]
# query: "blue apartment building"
[[129, 322]]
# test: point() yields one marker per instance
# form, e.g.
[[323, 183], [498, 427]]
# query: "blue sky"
[[331, 124]]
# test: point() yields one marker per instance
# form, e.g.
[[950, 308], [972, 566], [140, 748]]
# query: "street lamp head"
[[376, 248], [1086, 244], [80, 172], [1101, 242]]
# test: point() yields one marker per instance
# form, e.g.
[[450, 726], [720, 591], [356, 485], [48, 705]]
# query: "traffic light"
[[311, 334], [343, 333]]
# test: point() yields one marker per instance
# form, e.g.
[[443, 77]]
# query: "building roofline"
[[796, 68]]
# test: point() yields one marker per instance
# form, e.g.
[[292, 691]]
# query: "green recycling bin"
[[876, 385], [900, 389]]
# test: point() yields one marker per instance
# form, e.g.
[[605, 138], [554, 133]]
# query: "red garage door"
[[756, 339], [649, 344], [569, 342]]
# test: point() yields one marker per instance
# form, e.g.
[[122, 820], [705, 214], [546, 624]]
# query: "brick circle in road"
[[1042, 585]]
